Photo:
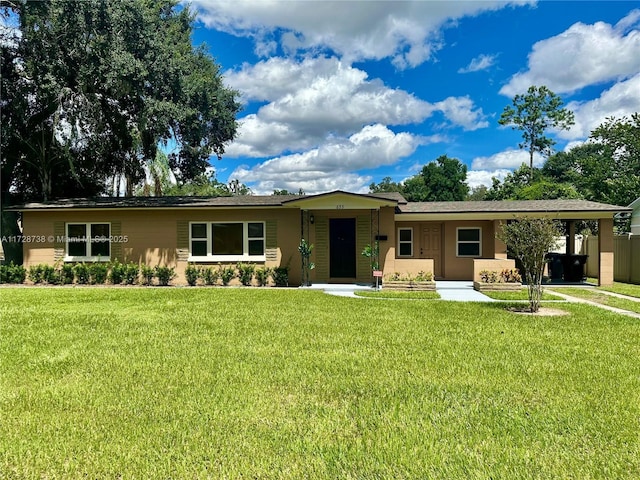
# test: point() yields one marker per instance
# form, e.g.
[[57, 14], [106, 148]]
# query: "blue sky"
[[337, 95]]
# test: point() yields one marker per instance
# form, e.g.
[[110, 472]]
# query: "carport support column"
[[571, 237], [499, 247], [605, 251]]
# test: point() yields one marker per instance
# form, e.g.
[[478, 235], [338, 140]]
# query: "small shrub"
[[245, 273], [210, 275], [131, 273], [81, 272], [51, 275], [505, 276], [424, 276], [192, 273], [117, 272], [421, 276], [488, 276], [262, 276], [164, 275], [36, 274], [280, 276], [227, 273], [510, 276], [12, 273], [66, 274], [98, 273], [394, 277], [147, 273]]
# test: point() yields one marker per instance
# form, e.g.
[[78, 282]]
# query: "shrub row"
[[245, 272], [97, 273], [505, 276]]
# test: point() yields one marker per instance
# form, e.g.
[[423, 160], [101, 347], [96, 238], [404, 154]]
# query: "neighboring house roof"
[[404, 210], [635, 204]]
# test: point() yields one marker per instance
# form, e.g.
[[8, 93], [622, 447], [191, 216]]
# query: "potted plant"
[[305, 250], [373, 254]]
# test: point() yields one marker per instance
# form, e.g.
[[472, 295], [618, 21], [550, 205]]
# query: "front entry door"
[[431, 246], [342, 247]]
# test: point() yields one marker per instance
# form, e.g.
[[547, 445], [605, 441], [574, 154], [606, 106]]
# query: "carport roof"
[[510, 206], [506, 209]]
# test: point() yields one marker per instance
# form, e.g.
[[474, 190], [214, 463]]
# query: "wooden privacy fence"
[[626, 257]]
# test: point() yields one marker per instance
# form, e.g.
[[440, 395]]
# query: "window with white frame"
[[469, 242], [88, 241], [226, 241], [405, 242]]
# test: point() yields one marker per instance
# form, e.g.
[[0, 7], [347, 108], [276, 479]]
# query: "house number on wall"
[[339, 207]]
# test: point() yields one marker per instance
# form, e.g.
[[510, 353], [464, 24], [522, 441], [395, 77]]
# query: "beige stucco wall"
[[492, 265], [605, 249], [452, 266], [152, 234]]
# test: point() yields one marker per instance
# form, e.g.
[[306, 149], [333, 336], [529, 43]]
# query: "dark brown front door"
[[342, 247]]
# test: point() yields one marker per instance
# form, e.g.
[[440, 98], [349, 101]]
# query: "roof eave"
[[508, 215]]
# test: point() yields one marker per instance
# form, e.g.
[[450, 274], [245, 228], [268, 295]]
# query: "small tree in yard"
[[529, 240]]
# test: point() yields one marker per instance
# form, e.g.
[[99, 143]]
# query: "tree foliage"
[[605, 169], [525, 184], [529, 240], [534, 113], [620, 139], [441, 180], [91, 88]]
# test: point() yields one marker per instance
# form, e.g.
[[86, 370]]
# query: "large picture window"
[[469, 242], [405, 242], [88, 241], [226, 241]]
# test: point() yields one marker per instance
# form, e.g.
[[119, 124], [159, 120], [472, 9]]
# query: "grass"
[[423, 295], [519, 295], [623, 289], [595, 296], [266, 383]]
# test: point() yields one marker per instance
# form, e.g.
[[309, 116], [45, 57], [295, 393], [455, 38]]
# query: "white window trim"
[[85, 258], [479, 242], [405, 241], [229, 258]]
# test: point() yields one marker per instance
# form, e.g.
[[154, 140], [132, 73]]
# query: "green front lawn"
[[595, 296], [624, 289], [267, 383], [519, 295]]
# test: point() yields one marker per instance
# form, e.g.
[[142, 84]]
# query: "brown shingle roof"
[[404, 207], [182, 202], [165, 202], [509, 206]]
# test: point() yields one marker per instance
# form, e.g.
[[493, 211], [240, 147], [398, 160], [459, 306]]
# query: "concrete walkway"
[[460, 292], [455, 291]]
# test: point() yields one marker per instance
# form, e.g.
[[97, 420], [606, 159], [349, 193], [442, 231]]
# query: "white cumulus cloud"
[[481, 62], [508, 159], [620, 100], [475, 178], [312, 99], [408, 33], [332, 162], [582, 55]]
